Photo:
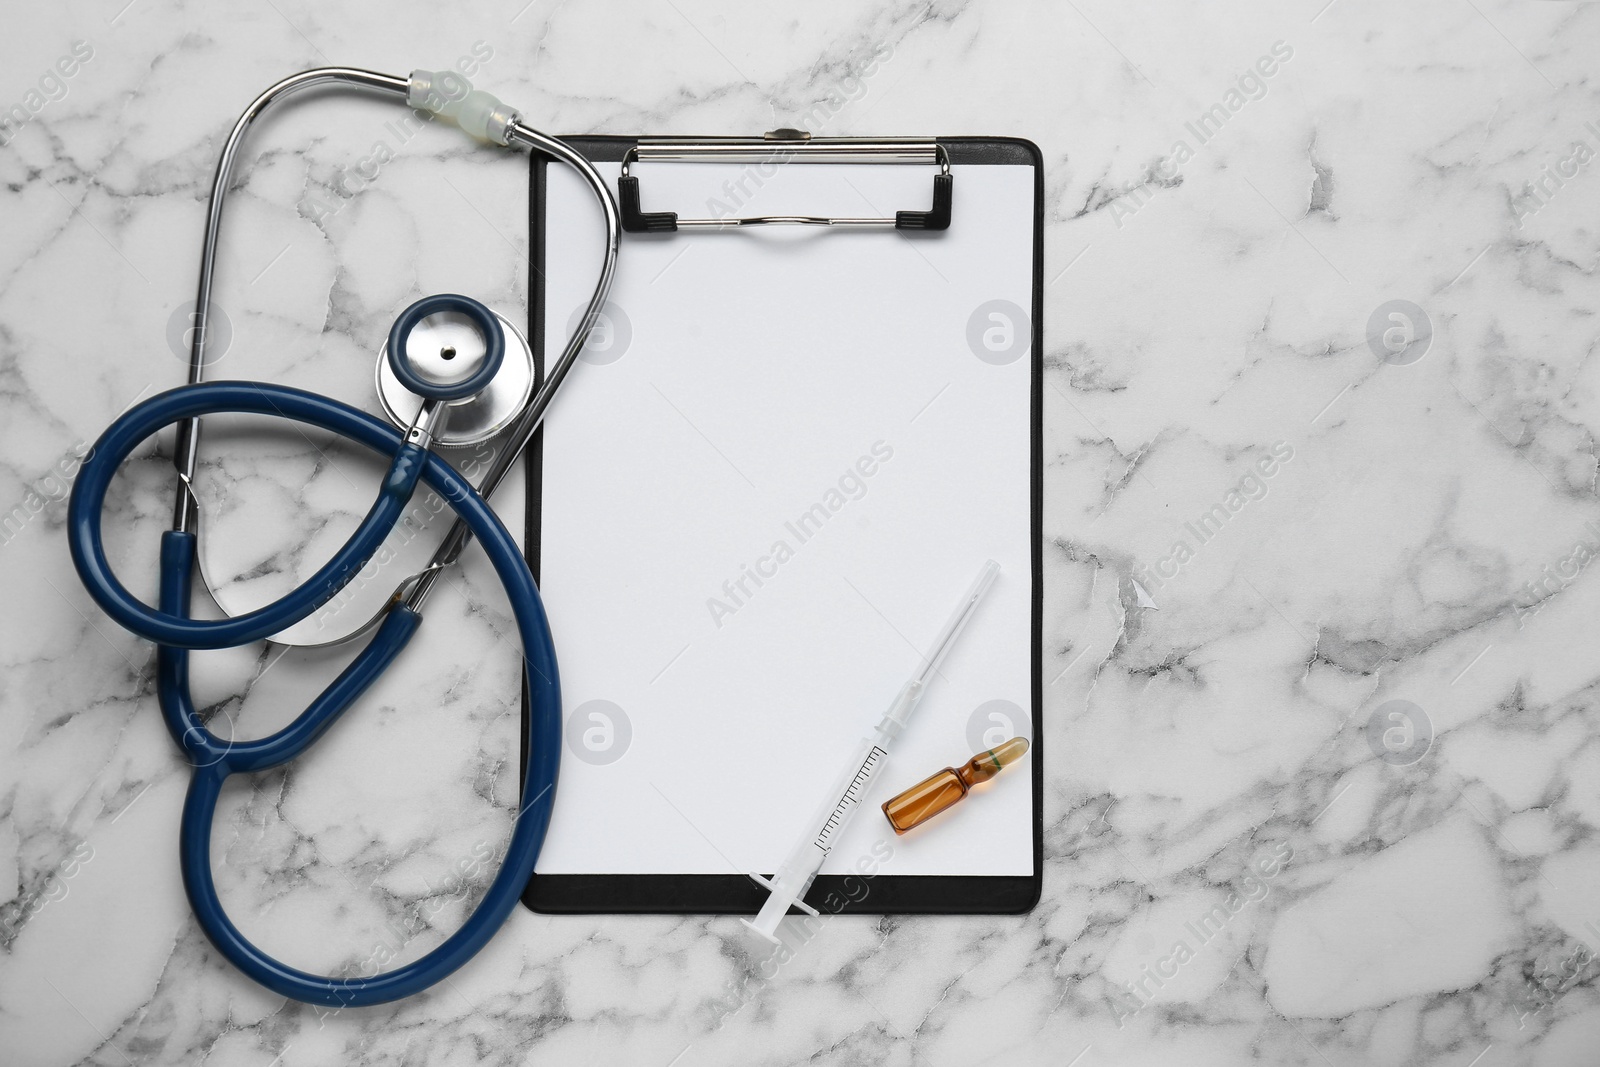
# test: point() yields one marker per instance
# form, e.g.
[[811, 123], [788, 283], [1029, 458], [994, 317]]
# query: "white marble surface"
[[1436, 907]]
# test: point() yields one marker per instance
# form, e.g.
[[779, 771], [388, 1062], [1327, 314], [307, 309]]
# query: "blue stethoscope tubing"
[[214, 760]]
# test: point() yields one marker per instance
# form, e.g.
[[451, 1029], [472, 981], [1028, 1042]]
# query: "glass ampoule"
[[945, 788]]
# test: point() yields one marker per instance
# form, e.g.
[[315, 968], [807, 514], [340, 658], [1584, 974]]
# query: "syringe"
[[799, 870]]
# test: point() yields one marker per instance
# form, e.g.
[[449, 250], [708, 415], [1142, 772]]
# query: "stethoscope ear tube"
[[214, 759]]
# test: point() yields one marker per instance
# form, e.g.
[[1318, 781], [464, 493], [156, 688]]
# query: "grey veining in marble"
[[1320, 507]]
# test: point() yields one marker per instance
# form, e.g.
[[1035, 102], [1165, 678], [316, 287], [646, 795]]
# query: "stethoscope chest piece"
[[446, 346]]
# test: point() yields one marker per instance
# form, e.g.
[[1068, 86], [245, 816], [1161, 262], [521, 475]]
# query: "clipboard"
[[733, 776]]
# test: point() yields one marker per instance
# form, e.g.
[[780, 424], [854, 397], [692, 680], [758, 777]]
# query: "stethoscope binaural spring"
[[442, 387]]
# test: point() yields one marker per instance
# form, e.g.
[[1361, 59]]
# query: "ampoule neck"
[[985, 765]]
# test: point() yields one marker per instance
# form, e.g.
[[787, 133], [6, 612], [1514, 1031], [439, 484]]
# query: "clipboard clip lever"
[[778, 147]]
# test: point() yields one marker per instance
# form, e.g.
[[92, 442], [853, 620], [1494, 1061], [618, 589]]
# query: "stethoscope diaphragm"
[[442, 342]]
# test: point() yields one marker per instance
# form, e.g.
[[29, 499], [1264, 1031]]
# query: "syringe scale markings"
[[852, 796]]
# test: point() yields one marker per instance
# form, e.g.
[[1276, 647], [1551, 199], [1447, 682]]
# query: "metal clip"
[[783, 146]]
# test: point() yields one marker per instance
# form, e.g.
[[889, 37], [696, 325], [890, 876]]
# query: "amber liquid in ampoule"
[[943, 789]]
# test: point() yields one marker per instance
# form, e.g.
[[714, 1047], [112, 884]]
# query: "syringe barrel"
[[831, 817]]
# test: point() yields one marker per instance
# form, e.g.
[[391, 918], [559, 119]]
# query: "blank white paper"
[[764, 489]]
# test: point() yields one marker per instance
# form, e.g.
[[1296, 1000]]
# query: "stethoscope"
[[446, 383]]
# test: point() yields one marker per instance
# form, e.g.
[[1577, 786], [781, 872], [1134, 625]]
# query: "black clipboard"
[[736, 894]]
